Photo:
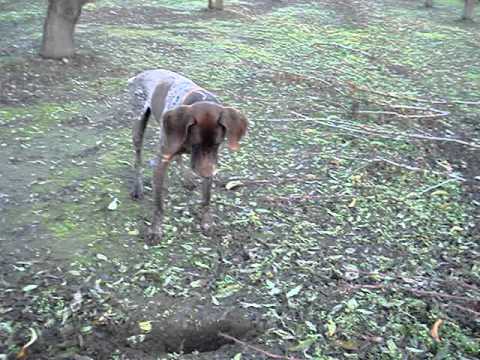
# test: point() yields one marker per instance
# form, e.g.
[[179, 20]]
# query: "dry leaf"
[[295, 291], [145, 326], [440, 193], [102, 257], [331, 328], [435, 329], [351, 345], [29, 287], [353, 203], [303, 345], [233, 184], [22, 354], [113, 205]]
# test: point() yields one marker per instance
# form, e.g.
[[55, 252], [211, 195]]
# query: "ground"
[[353, 231]]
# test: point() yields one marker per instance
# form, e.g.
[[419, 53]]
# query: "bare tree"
[[428, 3], [215, 4], [59, 27], [468, 9]]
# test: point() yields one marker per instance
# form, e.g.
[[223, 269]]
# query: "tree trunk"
[[428, 3], [215, 4], [468, 9], [59, 27]]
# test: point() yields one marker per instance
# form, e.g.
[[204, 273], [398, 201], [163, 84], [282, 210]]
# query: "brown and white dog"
[[192, 121]]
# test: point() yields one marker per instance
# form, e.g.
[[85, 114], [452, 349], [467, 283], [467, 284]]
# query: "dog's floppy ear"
[[236, 125], [175, 126]]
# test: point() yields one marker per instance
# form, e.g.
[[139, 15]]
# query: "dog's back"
[[169, 89]]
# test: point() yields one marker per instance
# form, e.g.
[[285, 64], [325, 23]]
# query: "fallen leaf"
[[113, 205], [295, 291], [456, 229], [435, 329], [87, 329], [331, 328], [145, 326], [303, 345], [22, 354], [353, 203], [29, 287], [102, 257], [76, 303], [233, 184], [197, 283], [351, 345]]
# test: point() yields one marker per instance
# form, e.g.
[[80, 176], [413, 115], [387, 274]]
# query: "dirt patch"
[[186, 327], [34, 79]]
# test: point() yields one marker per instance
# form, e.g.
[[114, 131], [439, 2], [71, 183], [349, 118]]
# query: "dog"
[[192, 121]]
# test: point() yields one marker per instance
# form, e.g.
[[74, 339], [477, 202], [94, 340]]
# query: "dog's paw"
[[153, 238]]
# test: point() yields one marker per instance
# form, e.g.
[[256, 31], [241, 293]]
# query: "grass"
[[336, 250]]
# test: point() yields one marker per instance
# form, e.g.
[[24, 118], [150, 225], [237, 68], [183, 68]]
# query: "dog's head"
[[201, 128]]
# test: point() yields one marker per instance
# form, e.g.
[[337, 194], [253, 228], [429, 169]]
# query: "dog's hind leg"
[[137, 137]]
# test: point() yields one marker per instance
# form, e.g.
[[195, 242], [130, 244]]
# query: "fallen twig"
[[257, 349], [465, 309], [416, 169], [363, 129], [425, 293], [430, 188], [418, 100], [434, 113], [438, 294], [296, 197], [246, 182]]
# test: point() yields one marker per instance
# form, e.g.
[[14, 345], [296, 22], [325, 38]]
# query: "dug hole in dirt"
[[164, 326]]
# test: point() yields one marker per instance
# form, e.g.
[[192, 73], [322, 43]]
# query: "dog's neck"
[[199, 95]]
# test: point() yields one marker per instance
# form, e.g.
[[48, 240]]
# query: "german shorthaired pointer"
[[192, 121]]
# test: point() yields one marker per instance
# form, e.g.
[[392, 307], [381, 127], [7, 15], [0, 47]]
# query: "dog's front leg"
[[188, 180], [155, 234], [207, 219]]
